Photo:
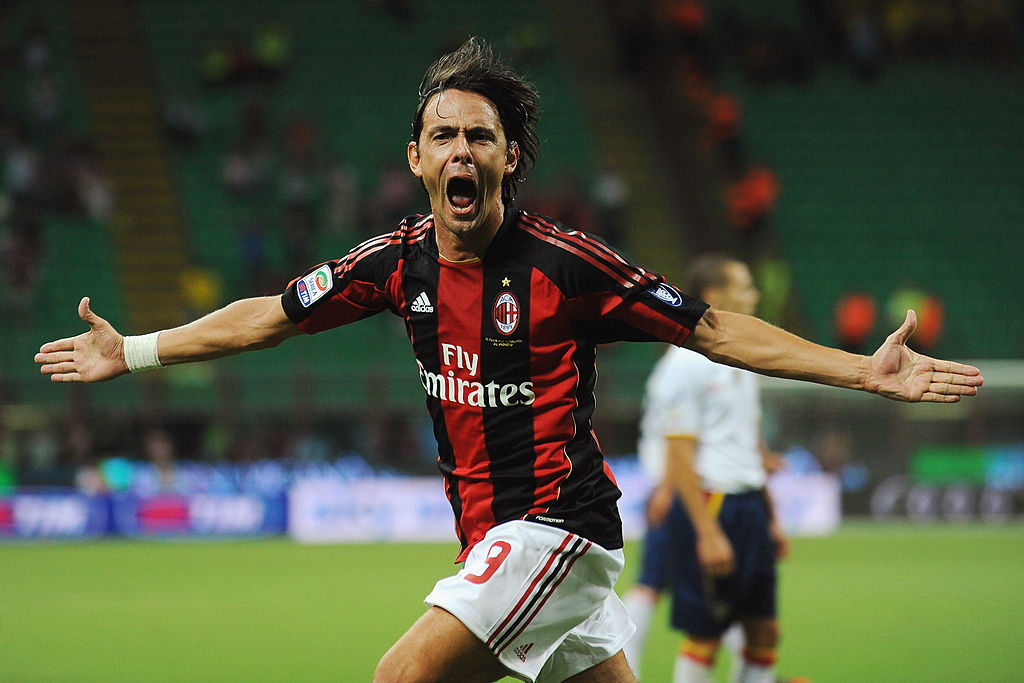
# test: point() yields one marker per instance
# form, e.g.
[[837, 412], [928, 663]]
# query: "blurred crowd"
[[207, 455], [675, 49], [292, 191], [680, 49], [47, 164]]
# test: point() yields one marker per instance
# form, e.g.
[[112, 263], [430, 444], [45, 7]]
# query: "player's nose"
[[460, 150]]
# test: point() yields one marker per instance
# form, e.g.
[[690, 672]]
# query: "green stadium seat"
[[890, 183]]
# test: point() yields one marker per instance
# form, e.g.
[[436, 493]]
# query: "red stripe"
[[395, 292], [359, 297], [653, 321], [607, 468], [375, 244], [703, 661], [536, 611], [761, 656], [458, 325], [361, 251], [578, 243], [598, 248], [554, 408], [529, 591], [603, 267]]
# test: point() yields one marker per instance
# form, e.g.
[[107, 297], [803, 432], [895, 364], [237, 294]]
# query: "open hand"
[[93, 356], [903, 375]]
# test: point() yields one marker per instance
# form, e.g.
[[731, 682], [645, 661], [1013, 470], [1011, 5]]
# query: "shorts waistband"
[[735, 494]]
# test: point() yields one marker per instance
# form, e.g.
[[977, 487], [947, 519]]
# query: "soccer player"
[[712, 538], [504, 310]]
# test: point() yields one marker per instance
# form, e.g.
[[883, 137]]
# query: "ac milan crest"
[[506, 313]]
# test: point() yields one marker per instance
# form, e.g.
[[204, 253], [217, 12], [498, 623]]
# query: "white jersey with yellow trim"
[[719, 406]]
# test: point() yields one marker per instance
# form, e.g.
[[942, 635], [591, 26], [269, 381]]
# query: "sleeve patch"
[[668, 294], [313, 286]]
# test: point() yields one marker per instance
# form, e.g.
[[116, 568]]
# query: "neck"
[[460, 246], [470, 259]]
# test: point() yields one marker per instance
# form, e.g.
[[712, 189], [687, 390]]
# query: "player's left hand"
[[659, 504], [780, 540], [898, 373], [774, 461], [94, 356]]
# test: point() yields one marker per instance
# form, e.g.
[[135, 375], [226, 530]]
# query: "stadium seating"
[[74, 252], [909, 180]]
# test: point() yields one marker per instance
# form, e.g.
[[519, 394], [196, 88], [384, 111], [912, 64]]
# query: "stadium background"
[[168, 157]]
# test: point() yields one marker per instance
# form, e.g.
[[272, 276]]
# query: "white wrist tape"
[[140, 352]]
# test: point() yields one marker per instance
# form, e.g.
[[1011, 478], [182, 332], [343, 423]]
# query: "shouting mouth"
[[461, 193]]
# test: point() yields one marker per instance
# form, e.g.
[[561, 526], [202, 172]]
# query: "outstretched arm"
[[894, 371], [98, 354]]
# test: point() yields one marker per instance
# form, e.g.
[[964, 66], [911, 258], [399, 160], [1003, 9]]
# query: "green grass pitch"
[[871, 603]]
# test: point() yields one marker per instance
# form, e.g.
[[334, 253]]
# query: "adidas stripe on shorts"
[[540, 598]]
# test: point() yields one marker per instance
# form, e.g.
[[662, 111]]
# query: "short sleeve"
[[340, 292], [681, 396]]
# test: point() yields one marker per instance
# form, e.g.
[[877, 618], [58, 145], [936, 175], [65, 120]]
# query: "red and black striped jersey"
[[506, 348]]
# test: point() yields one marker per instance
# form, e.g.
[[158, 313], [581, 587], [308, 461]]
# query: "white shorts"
[[541, 599]]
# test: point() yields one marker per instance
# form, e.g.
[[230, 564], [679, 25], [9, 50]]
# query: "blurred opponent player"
[[712, 538], [504, 310]]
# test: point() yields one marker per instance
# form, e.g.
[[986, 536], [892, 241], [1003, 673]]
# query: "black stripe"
[[505, 359], [404, 234], [363, 249], [418, 276], [502, 642], [588, 500], [598, 250]]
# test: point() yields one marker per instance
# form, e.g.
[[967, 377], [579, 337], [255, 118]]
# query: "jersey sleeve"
[[682, 396], [339, 292], [616, 300], [659, 312]]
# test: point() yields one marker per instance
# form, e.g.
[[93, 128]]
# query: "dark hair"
[[474, 68], [707, 271]]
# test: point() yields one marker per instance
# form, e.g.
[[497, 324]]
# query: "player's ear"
[[511, 157], [413, 152]]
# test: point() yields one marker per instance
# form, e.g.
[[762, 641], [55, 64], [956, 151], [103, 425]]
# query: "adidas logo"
[[421, 304], [522, 651]]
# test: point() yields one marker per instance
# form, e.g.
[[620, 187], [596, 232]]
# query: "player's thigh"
[[612, 670], [438, 647]]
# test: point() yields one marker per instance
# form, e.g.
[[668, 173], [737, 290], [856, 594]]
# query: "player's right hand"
[[93, 356], [898, 373], [715, 553]]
